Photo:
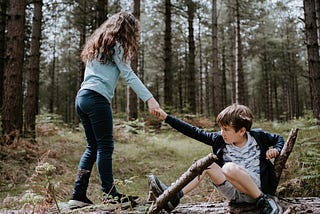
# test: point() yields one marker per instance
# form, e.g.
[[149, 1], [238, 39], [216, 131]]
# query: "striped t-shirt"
[[246, 156]]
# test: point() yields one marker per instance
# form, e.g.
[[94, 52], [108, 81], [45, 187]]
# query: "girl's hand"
[[152, 105], [272, 153]]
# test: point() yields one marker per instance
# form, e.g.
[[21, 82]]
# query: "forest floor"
[[36, 175]]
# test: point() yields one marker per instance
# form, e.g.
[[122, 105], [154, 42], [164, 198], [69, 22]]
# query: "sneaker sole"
[[155, 186], [77, 204], [280, 208]]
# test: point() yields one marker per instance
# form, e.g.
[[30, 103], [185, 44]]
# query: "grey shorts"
[[232, 194]]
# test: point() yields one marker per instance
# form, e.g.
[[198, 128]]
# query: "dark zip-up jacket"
[[265, 140]]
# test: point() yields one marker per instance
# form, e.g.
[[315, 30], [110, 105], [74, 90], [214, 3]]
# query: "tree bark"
[[318, 21], [141, 73], [231, 37], [201, 82], [52, 76], [195, 169], [289, 206], [191, 81], [240, 80], [3, 21], [12, 97], [102, 8], [31, 101], [313, 54], [168, 74], [132, 100], [297, 205], [223, 73], [217, 106]]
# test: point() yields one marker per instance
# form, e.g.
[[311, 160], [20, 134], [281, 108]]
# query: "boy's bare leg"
[[239, 178], [236, 175], [215, 173]]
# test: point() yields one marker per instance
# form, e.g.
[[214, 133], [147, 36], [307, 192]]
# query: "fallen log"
[[195, 170], [297, 205]]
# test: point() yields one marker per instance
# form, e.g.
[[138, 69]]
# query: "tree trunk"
[[12, 97], [31, 101], [168, 74], [267, 84], [3, 21], [240, 80], [223, 74], [318, 21], [284, 83], [191, 81], [208, 110], [180, 85], [201, 83], [81, 66], [313, 55], [231, 38], [102, 8], [141, 74], [217, 106], [52, 77], [275, 94], [132, 100]]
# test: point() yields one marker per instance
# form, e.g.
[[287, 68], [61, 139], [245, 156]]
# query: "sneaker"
[[79, 201], [157, 188], [269, 204]]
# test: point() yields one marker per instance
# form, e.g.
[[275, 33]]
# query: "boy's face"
[[230, 136]]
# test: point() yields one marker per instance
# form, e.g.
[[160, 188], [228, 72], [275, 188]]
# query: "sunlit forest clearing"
[[140, 150]]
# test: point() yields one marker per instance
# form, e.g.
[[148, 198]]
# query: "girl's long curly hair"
[[123, 28]]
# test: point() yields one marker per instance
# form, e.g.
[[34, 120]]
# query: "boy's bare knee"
[[230, 170]]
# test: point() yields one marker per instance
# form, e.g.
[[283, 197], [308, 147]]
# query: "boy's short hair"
[[236, 116]]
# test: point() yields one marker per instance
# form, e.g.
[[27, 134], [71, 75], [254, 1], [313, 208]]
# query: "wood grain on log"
[[280, 161], [195, 170], [296, 205]]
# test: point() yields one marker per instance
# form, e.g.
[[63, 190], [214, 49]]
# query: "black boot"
[[79, 198]]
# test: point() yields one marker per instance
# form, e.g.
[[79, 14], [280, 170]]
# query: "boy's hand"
[[272, 153], [160, 113]]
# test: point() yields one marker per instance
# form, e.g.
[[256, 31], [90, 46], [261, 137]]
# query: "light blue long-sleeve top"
[[103, 78]]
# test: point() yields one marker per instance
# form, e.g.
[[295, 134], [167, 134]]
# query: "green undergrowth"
[[141, 148]]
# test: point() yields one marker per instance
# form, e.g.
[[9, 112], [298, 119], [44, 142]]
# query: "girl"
[[106, 54]]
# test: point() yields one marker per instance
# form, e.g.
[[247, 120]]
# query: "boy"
[[243, 172]]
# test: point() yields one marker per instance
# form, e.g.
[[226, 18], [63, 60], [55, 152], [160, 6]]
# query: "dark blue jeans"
[[96, 116]]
